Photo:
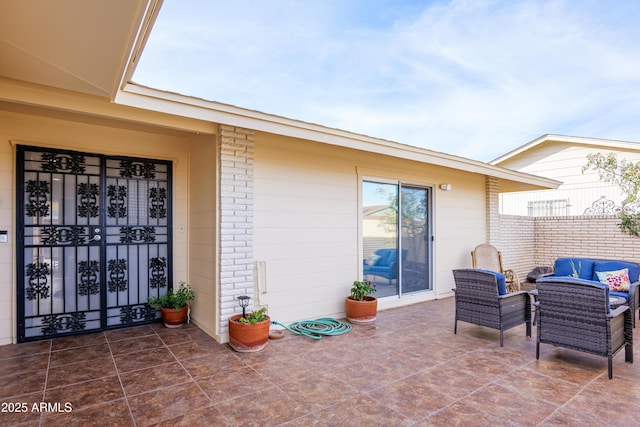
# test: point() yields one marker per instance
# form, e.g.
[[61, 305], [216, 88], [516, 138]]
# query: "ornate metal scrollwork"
[[56, 323], [88, 281], [38, 280], [131, 313], [53, 235], [131, 169], [604, 206], [88, 203], [38, 192], [117, 203], [158, 201], [137, 234], [56, 162], [117, 278], [157, 272]]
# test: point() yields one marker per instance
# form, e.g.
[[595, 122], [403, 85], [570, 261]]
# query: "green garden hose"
[[318, 328]]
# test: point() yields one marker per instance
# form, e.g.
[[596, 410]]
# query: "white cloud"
[[472, 78]]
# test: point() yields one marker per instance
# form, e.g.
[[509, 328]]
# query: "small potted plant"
[[249, 332], [361, 308], [174, 305]]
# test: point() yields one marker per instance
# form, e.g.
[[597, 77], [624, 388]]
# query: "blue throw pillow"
[[601, 266], [566, 266], [502, 281]]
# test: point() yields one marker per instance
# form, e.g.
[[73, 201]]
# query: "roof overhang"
[[77, 45], [208, 111]]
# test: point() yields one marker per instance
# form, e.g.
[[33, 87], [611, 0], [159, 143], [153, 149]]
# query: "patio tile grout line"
[[124, 393], [46, 379]]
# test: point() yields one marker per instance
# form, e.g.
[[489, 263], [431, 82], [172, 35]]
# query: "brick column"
[[492, 189], [236, 219]]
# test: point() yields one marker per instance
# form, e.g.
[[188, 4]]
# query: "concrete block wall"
[[236, 219], [517, 242], [493, 210], [527, 242]]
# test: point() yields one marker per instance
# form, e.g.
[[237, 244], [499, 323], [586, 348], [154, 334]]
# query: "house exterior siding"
[[307, 223], [564, 161]]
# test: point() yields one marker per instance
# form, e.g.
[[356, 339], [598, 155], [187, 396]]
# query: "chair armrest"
[[618, 311], [633, 288], [545, 275], [513, 294]]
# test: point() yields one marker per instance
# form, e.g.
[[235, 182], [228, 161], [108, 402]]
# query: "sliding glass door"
[[396, 233]]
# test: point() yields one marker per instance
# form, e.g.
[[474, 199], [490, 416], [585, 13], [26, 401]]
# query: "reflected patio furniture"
[[574, 313], [383, 263], [481, 299], [487, 257]]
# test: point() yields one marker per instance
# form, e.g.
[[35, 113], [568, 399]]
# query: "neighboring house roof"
[[571, 140], [91, 48]]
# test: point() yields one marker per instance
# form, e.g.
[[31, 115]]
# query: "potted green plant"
[[360, 306], [174, 305], [249, 333]]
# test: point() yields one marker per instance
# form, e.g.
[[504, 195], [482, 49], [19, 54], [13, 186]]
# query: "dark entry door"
[[94, 240]]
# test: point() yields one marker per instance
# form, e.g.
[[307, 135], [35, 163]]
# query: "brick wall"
[[236, 218], [526, 242], [493, 209]]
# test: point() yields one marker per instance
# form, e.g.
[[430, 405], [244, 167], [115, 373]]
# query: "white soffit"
[[77, 45]]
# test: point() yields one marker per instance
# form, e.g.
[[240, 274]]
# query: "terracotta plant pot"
[[247, 338], [173, 318], [361, 312]]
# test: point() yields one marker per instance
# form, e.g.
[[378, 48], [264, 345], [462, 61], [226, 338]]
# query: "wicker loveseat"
[[575, 314], [598, 270], [481, 298]]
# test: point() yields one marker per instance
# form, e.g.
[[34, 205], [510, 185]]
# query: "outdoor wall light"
[[445, 187], [244, 302]]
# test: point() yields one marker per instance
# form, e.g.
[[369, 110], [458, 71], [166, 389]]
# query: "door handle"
[[96, 235]]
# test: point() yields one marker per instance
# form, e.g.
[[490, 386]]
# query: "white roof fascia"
[[142, 35], [196, 108]]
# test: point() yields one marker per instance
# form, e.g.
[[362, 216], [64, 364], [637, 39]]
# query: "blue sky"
[[475, 78]]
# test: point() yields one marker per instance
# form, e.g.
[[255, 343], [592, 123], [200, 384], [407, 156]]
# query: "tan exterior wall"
[[528, 242], [203, 218], [92, 136], [307, 223]]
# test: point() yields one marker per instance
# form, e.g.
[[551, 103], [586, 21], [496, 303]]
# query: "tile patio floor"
[[407, 370]]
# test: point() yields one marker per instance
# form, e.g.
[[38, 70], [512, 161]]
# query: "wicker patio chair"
[[487, 257], [575, 314], [478, 301]]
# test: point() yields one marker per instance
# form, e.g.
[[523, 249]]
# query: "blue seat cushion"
[[624, 295], [502, 281], [602, 266], [566, 266]]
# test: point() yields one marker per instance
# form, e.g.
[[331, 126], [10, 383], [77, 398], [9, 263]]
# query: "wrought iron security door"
[[94, 241]]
